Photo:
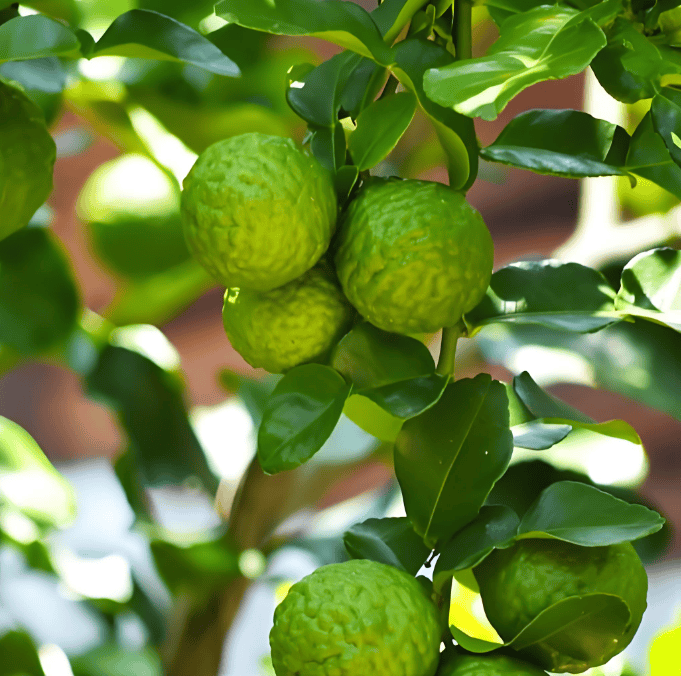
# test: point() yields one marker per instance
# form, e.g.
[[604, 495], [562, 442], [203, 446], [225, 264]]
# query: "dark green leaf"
[[448, 459], [561, 143], [648, 157], [344, 181], [584, 515], [19, 655], [493, 528], [29, 482], [538, 435], [342, 23], [145, 34], [544, 43], [391, 540], [35, 37], [413, 57], [391, 16], [300, 416], [569, 296], [543, 405], [328, 146], [38, 299], [666, 115], [408, 398], [472, 644]]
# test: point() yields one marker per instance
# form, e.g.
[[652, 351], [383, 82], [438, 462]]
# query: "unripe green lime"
[[131, 211], [495, 664], [294, 324], [258, 211], [413, 256], [518, 583], [27, 155], [352, 618]]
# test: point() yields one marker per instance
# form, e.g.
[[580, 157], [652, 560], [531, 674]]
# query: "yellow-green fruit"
[[357, 617], [495, 664], [518, 583], [413, 256], [294, 324], [27, 155], [258, 211]]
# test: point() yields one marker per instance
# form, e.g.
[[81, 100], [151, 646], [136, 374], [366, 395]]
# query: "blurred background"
[[100, 593]]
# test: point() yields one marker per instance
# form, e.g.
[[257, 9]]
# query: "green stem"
[[447, 361], [463, 36]]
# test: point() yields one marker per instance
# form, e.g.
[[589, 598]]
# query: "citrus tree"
[[336, 279]]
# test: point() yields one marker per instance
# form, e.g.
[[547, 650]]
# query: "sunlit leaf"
[[538, 435], [35, 37]]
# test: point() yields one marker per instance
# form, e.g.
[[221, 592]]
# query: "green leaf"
[[328, 146], [448, 458], [538, 435], [546, 43], [372, 418], [651, 287], [342, 23], [568, 296], [413, 57], [34, 37], [19, 655], [408, 398], [391, 16], [380, 127], [390, 540], [561, 143], [472, 644], [39, 302], [584, 515], [109, 659], [29, 482], [665, 111], [344, 181], [142, 33], [543, 405], [44, 75], [648, 157], [494, 528], [300, 416]]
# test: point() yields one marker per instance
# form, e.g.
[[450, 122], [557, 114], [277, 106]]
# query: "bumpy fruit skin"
[[297, 323], [357, 617], [413, 256], [495, 664], [518, 583], [258, 211], [27, 155]]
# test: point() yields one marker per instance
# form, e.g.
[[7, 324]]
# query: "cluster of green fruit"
[[261, 215], [363, 617]]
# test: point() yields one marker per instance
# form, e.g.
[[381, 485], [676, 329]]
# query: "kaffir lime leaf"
[[495, 664]]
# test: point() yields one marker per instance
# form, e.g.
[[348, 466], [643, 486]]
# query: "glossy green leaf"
[[39, 302], [342, 23], [35, 37], [344, 181], [391, 16], [372, 418], [471, 643], [665, 111], [29, 482], [569, 296], [300, 415], [648, 157], [546, 43], [538, 435], [19, 655], [145, 34], [561, 143], [448, 458], [651, 287], [584, 515], [390, 540], [379, 127], [408, 398], [328, 146], [456, 133], [600, 12], [494, 528]]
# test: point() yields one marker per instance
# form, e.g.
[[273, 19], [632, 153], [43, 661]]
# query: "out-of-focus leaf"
[[110, 659], [448, 458], [29, 482], [543, 405], [45, 75], [38, 298], [538, 435], [35, 37], [665, 111], [19, 655]]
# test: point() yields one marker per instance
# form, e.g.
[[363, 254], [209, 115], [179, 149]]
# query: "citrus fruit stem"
[[447, 362]]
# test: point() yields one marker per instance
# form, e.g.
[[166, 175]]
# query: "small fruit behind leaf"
[[356, 617], [258, 211], [413, 256], [27, 155], [297, 323], [454, 662], [518, 583]]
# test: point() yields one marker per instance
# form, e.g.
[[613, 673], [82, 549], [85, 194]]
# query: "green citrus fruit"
[[495, 664], [518, 583], [27, 155], [258, 211], [357, 617], [131, 211], [413, 256], [294, 324]]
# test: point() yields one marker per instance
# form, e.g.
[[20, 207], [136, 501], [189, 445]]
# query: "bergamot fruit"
[[518, 583], [357, 617], [297, 323], [131, 211], [458, 663], [27, 155], [413, 256], [258, 211]]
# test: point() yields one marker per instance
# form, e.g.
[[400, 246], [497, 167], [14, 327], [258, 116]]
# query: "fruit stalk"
[[447, 361]]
